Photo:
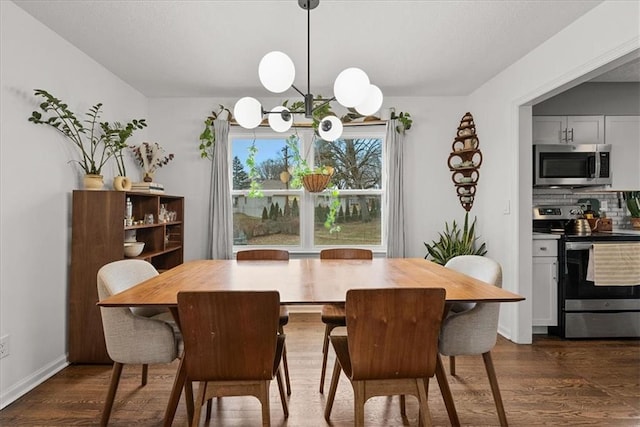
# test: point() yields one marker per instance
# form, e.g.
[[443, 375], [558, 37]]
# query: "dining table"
[[306, 281]]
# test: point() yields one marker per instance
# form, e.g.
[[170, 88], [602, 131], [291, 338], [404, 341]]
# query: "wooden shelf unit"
[[97, 238]]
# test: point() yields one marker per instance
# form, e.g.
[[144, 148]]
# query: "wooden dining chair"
[[391, 346], [134, 335], [232, 345], [473, 330], [272, 255], [333, 315]]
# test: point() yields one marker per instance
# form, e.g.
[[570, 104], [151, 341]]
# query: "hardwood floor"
[[552, 382]]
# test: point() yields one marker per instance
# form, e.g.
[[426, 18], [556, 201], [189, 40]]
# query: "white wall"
[[35, 188], [604, 34]]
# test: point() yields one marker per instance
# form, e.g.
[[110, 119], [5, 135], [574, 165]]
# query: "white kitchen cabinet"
[[623, 133], [568, 130], [544, 297]]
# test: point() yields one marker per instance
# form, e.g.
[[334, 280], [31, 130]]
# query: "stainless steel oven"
[[590, 311], [573, 165]]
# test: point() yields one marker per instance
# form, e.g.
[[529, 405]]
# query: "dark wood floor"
[[552, 382]]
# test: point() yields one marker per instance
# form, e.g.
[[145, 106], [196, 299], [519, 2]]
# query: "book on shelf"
[[147, 186], [147, 190]]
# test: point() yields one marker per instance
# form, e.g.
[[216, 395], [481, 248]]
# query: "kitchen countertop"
[[554, 236], [545, 236]]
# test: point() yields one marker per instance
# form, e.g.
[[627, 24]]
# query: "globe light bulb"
[[248, 112], [277, 121], [276, 71], [371, 103], [351, 87], [330, 128]]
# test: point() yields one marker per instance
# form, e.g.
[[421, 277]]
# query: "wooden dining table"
[[307, 281]]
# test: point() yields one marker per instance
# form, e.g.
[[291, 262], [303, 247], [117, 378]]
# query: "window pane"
[[357, 162], [272, 221], [270, 161], [358, 218]]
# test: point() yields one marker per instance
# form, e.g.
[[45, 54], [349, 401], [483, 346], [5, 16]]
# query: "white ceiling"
[[212, 48]]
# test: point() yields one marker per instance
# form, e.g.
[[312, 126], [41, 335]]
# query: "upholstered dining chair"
[[272, 255], [134, 335], [473, 330], [333, 314], [228, 351], [391, 346]]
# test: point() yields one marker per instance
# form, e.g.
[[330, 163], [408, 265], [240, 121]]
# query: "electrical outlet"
[[4, 346]]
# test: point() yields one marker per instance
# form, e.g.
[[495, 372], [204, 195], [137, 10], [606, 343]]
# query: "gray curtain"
[[395, 189], [220, 242]]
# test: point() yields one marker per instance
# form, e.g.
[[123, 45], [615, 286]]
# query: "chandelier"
[[277, 72]]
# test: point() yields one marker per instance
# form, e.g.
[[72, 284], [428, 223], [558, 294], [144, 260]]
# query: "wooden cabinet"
[[544, 298], [97, 238], [623, 133], [568, 130]]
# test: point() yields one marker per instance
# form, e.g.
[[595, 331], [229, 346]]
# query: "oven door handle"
[[577, 246]]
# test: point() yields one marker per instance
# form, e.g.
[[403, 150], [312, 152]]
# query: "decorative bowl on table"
[[133, 249]]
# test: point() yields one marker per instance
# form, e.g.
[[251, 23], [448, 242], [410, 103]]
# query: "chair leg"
[[283, 398], [188, 397], [423, 399], [452, 365], [284, 361], [208, 413], [202, 392], [111, 393], [325, 351], [264, 400], [441, 376], [145, 371], [493, 381], [403, 405], [358, 403], [332, 390]]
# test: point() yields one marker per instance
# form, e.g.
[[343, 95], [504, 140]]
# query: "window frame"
[[307, 200]]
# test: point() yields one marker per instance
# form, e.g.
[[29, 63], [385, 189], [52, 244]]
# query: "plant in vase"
[[118, 136], [632, 199], [150, 156], [454, 241], [207, 136], [95, 145]]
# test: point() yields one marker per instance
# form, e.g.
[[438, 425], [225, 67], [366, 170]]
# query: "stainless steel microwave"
[[572, 165]]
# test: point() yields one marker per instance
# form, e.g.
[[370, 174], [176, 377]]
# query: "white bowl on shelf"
[[133, 249]]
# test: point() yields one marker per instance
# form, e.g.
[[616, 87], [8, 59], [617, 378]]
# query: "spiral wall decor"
[[465, 160]]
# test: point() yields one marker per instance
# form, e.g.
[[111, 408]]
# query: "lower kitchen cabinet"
[[545, 283]]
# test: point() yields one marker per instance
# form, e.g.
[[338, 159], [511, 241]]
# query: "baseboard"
[[32, 381]]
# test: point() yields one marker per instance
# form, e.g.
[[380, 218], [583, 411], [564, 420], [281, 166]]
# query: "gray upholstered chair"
[[473, 329], [133, 335]]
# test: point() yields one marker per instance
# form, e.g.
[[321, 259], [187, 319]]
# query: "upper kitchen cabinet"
[[623, 133], [568, 130]]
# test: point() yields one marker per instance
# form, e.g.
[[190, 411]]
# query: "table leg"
[[441, 375]]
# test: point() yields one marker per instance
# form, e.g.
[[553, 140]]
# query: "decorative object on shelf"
[[96, 141], [404, 119], [150, 156], [454, 242], [133, 249], [122, 183], [277, 73], [464, 161], [633, 204], [119, 135]]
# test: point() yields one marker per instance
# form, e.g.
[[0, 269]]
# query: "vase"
[[148, 177], [93, 182], [122, 183]]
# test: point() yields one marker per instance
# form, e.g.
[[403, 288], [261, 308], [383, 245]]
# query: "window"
[[293, 218]]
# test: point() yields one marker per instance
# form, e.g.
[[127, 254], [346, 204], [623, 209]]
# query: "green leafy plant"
[[633, 202], [405, 121], [96, 141], [454, 241], [207, 136], [334, 206], [255, 189], [118, 136]]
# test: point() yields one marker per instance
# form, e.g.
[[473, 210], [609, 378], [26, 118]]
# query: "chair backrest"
[[229, 335], [478, 267], [346, 253], [262, 255], [393, 333]]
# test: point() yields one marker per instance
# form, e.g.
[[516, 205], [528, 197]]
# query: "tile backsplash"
[[616, 209]]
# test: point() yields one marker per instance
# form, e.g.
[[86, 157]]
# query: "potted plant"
[[118, 136], [150, 156], [454, 241], [96, 146], [633, 204], [208, 136]]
